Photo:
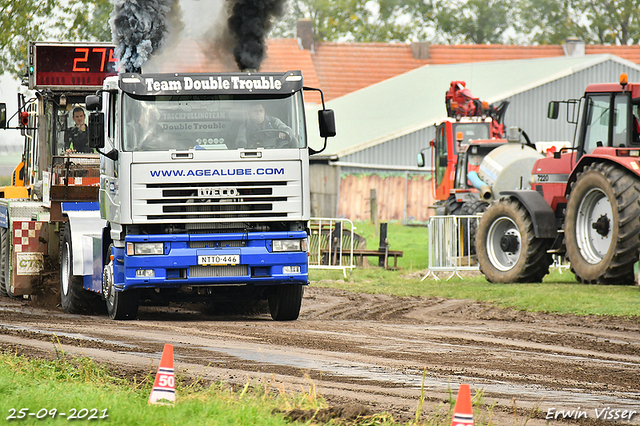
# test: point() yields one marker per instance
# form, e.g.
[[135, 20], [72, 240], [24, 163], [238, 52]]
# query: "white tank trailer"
[[505, 168]]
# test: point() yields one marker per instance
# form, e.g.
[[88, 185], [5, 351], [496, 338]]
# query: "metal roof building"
[[383, 126]]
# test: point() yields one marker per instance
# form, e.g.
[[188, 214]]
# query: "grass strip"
[[67, 384], [49, 387], [558, 293]]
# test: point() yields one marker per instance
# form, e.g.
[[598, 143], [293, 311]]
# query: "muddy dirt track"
[[370, 349]]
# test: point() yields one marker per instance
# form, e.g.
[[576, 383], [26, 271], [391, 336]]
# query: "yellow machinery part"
[[16, 192], [17, 189]]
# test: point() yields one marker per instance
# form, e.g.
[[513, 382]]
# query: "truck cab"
[[204, 189]]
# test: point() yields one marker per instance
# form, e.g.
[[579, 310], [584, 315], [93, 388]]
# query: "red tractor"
[[468, 120], [584, 201]]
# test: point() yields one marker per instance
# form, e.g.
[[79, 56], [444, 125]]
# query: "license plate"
[[227, 259]]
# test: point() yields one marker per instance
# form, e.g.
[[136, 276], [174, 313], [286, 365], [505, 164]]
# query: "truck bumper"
[[240, 259]]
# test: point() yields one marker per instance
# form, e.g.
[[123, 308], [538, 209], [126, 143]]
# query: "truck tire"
[[285, 302], [507, 249], [602, 225], [4, 262], [121, 305], [471, 208], [74, 299], [452, 206]]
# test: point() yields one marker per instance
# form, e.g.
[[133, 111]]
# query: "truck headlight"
[[134, 249], [290, 245]]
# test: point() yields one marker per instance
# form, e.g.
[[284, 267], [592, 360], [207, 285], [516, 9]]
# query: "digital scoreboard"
[[70, 65]]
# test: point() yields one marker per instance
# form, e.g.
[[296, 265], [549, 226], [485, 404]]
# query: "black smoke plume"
[[249, 23], [139, 28]]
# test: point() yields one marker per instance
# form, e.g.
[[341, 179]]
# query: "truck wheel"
[[121, 305], [452, 206], [285, 302], [468, 209], [508, 251], [602, 225], [4, 263], [74, 299]]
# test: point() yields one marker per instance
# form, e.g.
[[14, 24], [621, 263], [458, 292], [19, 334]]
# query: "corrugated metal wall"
[[402, 151], [527, 110]]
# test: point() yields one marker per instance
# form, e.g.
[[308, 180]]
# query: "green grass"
[[559, 292], [75, 383], [65, 384], [411, 239]]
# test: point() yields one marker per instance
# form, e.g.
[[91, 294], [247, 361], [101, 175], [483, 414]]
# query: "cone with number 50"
[[164, 391], [462, 411]]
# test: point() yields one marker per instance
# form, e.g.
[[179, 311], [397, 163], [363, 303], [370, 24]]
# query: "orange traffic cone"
[[164, 391], [462, 412]]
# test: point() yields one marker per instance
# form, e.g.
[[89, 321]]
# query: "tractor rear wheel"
[[602, 225], [507, 248]]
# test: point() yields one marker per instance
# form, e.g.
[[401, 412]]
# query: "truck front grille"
[[215, 244], [204, 200], [216, 193], [218, 271]]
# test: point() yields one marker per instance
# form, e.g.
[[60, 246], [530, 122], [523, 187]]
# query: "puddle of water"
[[70, 335], [413, 378]]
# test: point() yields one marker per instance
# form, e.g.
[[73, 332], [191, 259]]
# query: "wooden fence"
[[405, 198]]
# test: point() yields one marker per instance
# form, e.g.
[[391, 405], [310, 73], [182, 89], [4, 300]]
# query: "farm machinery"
[[583, 203], [462, 185]]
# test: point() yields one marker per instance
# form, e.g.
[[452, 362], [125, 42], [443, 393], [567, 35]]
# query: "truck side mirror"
[[93, 102], [554, 110], [421, 159], [327, 123], [96, 129], [3, 115]]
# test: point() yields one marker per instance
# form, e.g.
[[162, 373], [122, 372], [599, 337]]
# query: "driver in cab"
[[262, 130]]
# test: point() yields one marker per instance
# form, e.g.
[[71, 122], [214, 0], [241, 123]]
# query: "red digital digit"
[[103, 52], [84, 59], [111, 58]]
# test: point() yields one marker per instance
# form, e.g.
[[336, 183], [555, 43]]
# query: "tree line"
[[522, 22]]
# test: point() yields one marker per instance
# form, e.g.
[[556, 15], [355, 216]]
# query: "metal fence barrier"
[[452, 245], [331, 244]]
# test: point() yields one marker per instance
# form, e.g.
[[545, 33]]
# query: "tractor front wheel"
[[507, 248]]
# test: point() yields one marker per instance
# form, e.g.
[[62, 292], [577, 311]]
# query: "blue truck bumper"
[[211, 259]]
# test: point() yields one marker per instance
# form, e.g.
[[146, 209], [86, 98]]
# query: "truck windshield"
[[161, 123], [472, 131]]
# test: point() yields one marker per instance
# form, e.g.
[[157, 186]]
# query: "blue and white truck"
[[195, 200]]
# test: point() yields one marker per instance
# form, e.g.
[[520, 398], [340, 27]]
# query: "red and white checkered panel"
[[28, 256], [25, 236]]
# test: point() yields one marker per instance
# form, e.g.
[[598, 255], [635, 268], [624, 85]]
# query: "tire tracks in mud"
[[368, 348]]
